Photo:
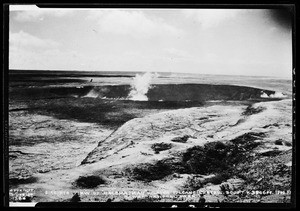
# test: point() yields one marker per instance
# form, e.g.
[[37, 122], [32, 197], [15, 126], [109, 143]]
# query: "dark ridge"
[[54, 77], [170, 92], [47, 92], [238, 122], [271, 125], [16, 140], [270, 153], [18, 109], [18, 151], [15, 74], [203, 92], [39, 79], [110, 113], [186, 92], [109, 105]]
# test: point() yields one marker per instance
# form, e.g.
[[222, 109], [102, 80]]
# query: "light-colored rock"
[[217, 122], [130, 145]]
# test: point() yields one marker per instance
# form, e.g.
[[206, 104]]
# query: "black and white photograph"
[[150, 105]]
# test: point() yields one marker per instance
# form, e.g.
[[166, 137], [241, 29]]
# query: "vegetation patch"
[[157, 147], [150, 172], [205, 160], [279, 142], [89, 181], [251, 110], [225, 189], [282, 142], [182, 139], [289, 144], [267, 174], [213, 158], [247, 140], [193, 183], [217, 158]]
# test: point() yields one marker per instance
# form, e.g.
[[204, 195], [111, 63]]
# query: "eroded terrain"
[[220, 149]]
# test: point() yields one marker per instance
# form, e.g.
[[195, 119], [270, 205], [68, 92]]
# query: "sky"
[[256, 42]]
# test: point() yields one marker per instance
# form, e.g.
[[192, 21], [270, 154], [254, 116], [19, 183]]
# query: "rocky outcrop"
[[146, 146], [140, 133], [132, 142]]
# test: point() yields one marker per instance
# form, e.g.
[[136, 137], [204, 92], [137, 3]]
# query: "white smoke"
[[92, 94], [264, 95], [275, 95], [140, 86]]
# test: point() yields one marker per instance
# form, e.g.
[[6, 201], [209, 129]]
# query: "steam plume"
[[140, 86], [275, 95]]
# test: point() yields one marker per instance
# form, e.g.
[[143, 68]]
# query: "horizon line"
[[99, 71]]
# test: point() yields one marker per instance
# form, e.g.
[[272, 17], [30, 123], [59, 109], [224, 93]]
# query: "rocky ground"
[[224, 151]]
